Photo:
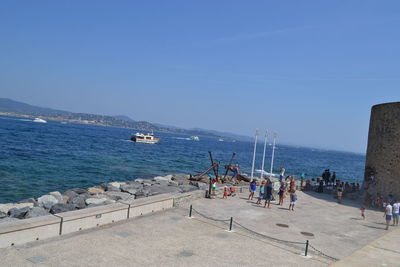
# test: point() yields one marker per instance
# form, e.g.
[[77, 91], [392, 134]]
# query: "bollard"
[[305, 253], [230, 225], [190, 211]]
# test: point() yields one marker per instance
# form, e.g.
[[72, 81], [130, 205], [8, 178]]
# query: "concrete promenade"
[[170, 238]]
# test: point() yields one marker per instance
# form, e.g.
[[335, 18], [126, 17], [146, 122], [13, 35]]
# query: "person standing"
[[261, 195], [281, 194], [396, 208], [388, 214], [253, 189], [333, 177], [268, 194], [339, 194], [281, 174]]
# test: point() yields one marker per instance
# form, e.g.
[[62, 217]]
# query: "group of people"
[[265, 192], [392, 213]]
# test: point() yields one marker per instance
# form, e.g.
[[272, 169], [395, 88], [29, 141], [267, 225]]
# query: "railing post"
[[190, 211], [306, 252], [230, 225]]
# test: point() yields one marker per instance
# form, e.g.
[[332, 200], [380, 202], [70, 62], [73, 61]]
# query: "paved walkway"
[[171, 239]]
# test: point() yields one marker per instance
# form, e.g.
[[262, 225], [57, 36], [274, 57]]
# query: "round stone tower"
[[382, 168]]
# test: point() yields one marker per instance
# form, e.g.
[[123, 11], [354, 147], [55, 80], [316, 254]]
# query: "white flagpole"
[[265, 146], [273, 154], [254, 154]]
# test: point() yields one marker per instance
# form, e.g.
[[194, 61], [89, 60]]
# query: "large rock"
[[187, 188], [70, 194], [6, 207], [113, 188], [58, 196], [118, 195], [3, 215], [117, 184], [130, 190], [78, 202], [78, 190], [18, 213], [160, 189], [29, 200], [36, 212], [95, 201], [61, 207], [145, 192], [200, 185], [47, 201], [163, 178], [95, 190]]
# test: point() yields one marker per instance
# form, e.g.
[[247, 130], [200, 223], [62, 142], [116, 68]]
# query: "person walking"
[[388, 214], [262, 191], [293, 199], [268, 194], [253, 189], [396, 208]]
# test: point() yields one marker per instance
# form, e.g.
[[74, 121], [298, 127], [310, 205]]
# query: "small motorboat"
[[39, 120], [145, 138], [221, 140], [194, 138]]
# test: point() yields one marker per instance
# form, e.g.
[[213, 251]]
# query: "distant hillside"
[[14, 107]]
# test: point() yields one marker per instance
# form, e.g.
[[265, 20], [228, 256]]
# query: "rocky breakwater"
[[107, 193]]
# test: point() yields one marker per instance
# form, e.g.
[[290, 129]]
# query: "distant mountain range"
[[12, 107]]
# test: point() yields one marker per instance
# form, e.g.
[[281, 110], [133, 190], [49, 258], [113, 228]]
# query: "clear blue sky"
[[309, 70]]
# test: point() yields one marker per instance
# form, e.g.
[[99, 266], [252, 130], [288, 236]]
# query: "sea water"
[[36, 158]]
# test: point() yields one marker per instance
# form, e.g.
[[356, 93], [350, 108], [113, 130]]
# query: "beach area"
[[173, 238]]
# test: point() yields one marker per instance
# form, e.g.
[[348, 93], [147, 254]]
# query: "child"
[[363, 212], [293, 199], [214, 186], [281, 194], [233, 191], [225, 192], [253, 189], [261, 195]]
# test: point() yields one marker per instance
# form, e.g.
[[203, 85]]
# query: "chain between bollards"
[[305, 253], [190, 211], [230, 224]]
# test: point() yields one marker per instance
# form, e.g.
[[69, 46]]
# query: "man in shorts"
[[395, 207], [293, 199], [388, 214]]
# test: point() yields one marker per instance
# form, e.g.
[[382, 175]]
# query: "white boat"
[[145, 138], [39, 120], [194, 138], [221, 140]]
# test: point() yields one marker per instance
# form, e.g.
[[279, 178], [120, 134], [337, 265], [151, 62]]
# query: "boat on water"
[[145, 138], [39, 120], [221, 140], [194, 138]]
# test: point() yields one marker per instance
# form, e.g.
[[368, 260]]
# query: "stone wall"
[[382, 170]]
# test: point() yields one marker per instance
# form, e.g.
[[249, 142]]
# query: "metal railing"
[[295, 244]]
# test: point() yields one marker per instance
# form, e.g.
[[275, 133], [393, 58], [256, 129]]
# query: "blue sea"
[[36, 158]]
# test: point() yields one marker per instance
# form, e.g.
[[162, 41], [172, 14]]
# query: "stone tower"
[[382, 168]]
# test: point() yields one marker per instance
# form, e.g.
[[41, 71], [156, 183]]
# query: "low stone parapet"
[[28, 230]]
